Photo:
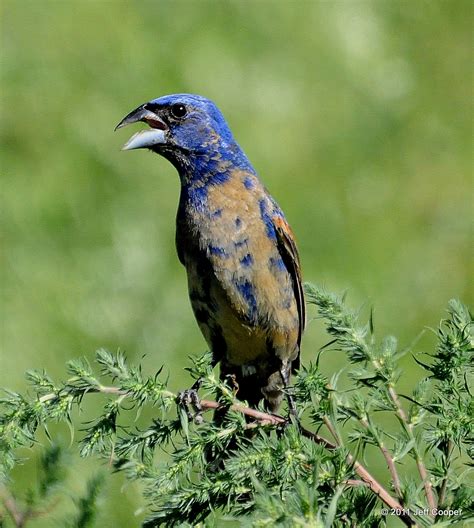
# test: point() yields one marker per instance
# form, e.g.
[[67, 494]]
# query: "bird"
[[239, 252]]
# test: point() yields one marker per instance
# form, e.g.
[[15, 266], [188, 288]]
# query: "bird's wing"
[[289, 254]]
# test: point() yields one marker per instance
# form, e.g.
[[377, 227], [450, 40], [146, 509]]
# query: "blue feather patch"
[[247, 291], [220, 252], [267, 219], [249, 183], [247, 261], [277, 263]]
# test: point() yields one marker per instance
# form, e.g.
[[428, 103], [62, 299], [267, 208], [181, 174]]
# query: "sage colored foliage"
[[268, 475]]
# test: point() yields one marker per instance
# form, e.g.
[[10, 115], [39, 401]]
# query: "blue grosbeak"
[[239, 252]]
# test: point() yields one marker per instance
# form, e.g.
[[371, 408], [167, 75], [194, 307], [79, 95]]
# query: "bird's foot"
[[293, 416], [231, 380], [191, 403], [293, 411]]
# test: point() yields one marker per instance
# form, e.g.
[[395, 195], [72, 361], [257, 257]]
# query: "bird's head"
[[180, 126]]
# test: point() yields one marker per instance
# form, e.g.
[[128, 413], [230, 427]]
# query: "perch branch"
[[390, 462], [419, 462]]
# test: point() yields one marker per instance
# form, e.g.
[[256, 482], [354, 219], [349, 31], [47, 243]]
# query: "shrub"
[[261, 469]]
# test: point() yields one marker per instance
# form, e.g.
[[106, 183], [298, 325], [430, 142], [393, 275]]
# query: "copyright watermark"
[[435, 512]]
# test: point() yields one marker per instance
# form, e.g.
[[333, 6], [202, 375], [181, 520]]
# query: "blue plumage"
[[238, 250]]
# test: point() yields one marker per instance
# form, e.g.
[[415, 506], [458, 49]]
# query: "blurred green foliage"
[[356, 114]]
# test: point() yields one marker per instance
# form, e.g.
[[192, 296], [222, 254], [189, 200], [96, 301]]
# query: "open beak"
[[149, 138]]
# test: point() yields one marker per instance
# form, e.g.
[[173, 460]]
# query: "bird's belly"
[[231, 336], [241, 293], [223, 327], [244, 344]]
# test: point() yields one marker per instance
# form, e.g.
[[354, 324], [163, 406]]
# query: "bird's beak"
[[145, 138]]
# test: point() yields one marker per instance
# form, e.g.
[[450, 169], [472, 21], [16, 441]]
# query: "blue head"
[[188, 130]]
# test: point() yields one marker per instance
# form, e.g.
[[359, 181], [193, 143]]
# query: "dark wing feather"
[[289, 254]]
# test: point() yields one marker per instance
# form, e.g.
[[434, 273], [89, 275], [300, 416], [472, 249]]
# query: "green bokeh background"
[[356, 114]]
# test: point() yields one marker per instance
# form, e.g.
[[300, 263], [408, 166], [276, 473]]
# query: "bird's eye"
[[178, 111]]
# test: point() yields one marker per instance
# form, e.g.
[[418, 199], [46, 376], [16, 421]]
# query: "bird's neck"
[[211, 165], [199, 172]]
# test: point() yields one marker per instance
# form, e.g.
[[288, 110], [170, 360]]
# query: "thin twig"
[[262, 417], [332, 430], [102, 389], [425, 478], [444, 483], [10, 504], [355, 482], [19, 516], [393, 470], [389, 460]]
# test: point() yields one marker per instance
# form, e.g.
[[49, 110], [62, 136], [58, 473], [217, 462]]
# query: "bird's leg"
[[231, 379], [289, 397], [188, 399]]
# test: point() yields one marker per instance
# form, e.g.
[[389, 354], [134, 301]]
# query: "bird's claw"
[[293, 416], [189, 400]]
